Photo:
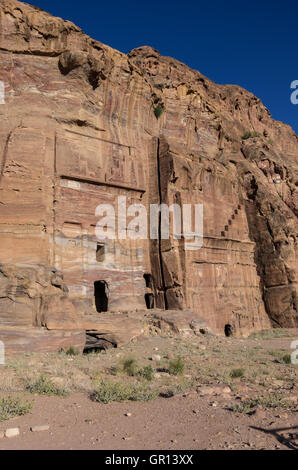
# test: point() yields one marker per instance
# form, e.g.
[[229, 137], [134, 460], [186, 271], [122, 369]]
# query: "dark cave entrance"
[[228, 330], [101, 295], [149, 296]]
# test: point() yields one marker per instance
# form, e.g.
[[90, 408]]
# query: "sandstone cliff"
[[83, 124]]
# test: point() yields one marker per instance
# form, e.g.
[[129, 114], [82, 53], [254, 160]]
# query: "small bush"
[[147, 373], [249, 135], [107, 392], [281, 357], [178, 388], [139, 393], [273, 400], [286, 359], [176, 366], [11, 407], [44, 386], [110, 391], [237, 373], [158, 111], [130, 366], [243, 407], [71, 351]]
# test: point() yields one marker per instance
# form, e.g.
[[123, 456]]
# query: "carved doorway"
[[101, 296]]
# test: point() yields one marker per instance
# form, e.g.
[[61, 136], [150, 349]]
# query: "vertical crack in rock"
[[5, 153], [164, 289]]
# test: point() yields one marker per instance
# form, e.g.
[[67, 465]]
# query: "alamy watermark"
[[294, 355], [2, 354], [187, 222], [2, 92], [294, 94]]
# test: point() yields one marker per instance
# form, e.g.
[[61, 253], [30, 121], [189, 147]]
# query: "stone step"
[[235, 212]]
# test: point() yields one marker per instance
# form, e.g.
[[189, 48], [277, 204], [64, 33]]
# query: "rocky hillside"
[[79, 115]]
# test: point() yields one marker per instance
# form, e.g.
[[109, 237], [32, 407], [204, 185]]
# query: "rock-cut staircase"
[[224, 233]]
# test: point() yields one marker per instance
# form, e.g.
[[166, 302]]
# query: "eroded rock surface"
[[83, 124]]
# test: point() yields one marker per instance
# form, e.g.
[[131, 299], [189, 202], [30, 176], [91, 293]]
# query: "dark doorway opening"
[[101, 295], [149, 296], [228, 330], [149, 299], [148, 280]]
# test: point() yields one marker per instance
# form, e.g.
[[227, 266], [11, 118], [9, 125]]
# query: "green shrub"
[[147, 373], [44, 386], [244, 407], [248, 135], [130, 366], [237, 373], [111, 391], [107, 392], [71, 351], [176, 366], [286, 359], [178, 388], [11, 407], [141, 393], [282, 358], [273, 400], [158, 111]]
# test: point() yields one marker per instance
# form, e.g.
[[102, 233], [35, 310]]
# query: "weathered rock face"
[[221, 148], [83, 124]]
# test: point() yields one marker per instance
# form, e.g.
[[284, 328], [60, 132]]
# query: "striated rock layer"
[[83, 124]]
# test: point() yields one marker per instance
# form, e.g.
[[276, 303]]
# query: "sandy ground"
[[173, 423], [184, 421]]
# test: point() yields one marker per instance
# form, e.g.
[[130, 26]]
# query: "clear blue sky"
[[253, 44]]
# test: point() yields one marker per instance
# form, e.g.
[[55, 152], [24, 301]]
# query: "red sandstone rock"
[[83, 124], [19, 340]]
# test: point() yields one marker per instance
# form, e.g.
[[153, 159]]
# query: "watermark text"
[[294, 355], [2, 92], [2, 354], [134, 223], [294, 94]]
